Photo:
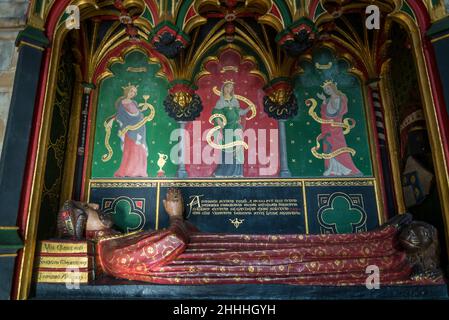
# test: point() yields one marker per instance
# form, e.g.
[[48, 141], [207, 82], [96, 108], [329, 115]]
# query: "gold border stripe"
[[8, 255], [440, 38], [158, 193], [306, 218], [9, 228], [25, 43]]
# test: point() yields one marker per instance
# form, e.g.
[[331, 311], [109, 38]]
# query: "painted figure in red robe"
[[132, 134], [333, 108]]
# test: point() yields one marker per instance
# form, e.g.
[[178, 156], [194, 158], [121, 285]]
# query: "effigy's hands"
[[173, 203]]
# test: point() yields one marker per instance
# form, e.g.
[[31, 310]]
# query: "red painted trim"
[[190, 14], [15, 281], [276, 12], [154, 11], [420, 10], [54, 15], [312, 8]]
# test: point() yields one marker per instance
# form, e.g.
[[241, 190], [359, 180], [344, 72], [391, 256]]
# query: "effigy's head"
[[96, 218], [75, 217], [173, 203], [417, 236], [71, 221]]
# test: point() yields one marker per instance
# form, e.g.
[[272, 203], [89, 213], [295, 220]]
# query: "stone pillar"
[[285, 172], [12, 20], [15, 125], [31, 43], [182, 172], [88, 87]]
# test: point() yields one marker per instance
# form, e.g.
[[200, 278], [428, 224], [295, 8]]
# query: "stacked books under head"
[[65, 261]]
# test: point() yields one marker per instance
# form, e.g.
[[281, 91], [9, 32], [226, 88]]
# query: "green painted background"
[[303, 130], [158, 130]]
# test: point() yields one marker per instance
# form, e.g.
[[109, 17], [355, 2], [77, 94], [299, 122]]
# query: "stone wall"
[[12, 20]]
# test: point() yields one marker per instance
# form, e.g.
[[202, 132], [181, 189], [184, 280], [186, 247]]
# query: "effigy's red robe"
[[182, 255]]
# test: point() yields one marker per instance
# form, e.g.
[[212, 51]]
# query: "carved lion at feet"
[[420, 241]]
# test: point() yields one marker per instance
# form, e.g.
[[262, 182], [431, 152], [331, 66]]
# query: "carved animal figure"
[[420, 242]]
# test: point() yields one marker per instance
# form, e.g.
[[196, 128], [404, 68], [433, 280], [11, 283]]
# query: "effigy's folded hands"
[[174, 204]]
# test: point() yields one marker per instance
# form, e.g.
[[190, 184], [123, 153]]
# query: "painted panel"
[[231, 89], [132, 127], [328, 137], [133, 206], [341, 206]]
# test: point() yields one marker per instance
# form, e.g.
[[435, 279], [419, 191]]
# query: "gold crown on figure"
[[328, 82], [228, 82], [129, 86]]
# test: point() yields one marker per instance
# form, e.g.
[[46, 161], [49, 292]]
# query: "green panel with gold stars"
[[108, 155], [317, 148]]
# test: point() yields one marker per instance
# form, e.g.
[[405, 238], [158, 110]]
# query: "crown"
[[228, 81], [328, 82], [129, 86]]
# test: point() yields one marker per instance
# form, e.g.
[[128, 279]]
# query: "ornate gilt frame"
[[53, 54]]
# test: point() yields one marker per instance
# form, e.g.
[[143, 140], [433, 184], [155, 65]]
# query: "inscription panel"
[[254, 208], [290, 206]]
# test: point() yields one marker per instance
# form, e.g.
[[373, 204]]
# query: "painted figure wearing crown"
[[132, 135], [232, 159], [333, 107]]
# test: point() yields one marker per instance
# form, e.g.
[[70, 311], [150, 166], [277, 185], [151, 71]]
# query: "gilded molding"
[[9, 228], [276, 67]]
